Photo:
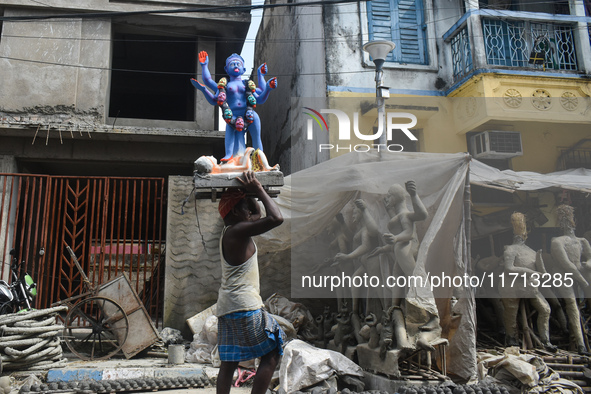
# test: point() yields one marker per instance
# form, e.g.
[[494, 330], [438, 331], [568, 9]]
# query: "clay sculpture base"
[[369, 360]]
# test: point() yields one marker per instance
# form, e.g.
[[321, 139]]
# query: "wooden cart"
[[99, 321]]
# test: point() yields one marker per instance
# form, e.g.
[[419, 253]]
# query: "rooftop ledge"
[[58, 126]]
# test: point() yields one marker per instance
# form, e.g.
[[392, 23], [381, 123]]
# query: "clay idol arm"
[[509, 257], [586, 253], [361, 250], [262, 70], [344, 228], [540, 267], [405, 235], [365, 246], [560, 256], [262, 92], [208, 95], [205, 74], [419, 210], [381, 249], [368, 220]]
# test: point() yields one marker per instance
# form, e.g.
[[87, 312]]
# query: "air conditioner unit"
[[493, 144]]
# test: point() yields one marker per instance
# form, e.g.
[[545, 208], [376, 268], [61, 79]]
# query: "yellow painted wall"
[[542, 143], [550, 114]]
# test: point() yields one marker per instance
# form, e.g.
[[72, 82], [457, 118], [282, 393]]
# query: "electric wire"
[[253, 7], [341, 38], [363, 11], [208, 9], [155, 71]]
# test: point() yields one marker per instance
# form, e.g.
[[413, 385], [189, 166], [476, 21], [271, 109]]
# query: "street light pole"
[[381, 103], [379, 50]]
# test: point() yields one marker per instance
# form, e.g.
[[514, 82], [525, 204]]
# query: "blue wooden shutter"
[[412, 31], [381, 22], [400, 21]]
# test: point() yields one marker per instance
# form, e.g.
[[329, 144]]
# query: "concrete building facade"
[[93, 95], [462, 68], [109, 82], [455, 53]]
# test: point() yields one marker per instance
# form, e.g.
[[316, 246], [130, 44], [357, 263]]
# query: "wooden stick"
[[35, 137], [527, 342], [488, 337], [571, 366]]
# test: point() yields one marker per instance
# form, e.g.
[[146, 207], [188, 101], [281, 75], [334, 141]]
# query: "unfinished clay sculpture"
[[386, 334], [374, 337], [573, 256], [402, 245], [344, 333], [520, 259], [365, 239]]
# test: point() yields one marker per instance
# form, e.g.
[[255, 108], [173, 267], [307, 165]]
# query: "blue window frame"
[[402, 22]]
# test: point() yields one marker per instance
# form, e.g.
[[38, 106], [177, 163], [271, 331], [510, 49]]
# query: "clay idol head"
[[566, 216], [519, 225], [235, 65]]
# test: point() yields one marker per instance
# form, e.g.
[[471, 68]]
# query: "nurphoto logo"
[[393, 122]]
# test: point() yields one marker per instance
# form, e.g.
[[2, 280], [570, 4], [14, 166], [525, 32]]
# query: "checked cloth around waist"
[[247, 335]]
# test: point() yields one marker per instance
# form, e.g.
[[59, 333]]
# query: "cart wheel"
[[96, 328]]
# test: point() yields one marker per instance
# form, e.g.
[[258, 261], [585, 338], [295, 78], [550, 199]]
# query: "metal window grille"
[[461, 54], [577, 158], [509, 43]]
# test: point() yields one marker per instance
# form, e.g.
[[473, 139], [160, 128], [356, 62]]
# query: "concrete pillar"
[[476, 35], [581, 32], [193, 270], [7, 165]]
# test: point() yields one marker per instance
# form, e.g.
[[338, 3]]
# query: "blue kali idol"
[[237, 99]]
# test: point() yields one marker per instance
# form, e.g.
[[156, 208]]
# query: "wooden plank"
[[142, 333], [212, 186], [267, 178]]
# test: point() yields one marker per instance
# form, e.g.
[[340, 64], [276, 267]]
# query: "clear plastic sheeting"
[[578, 179], [312, 198], [304, 365]]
